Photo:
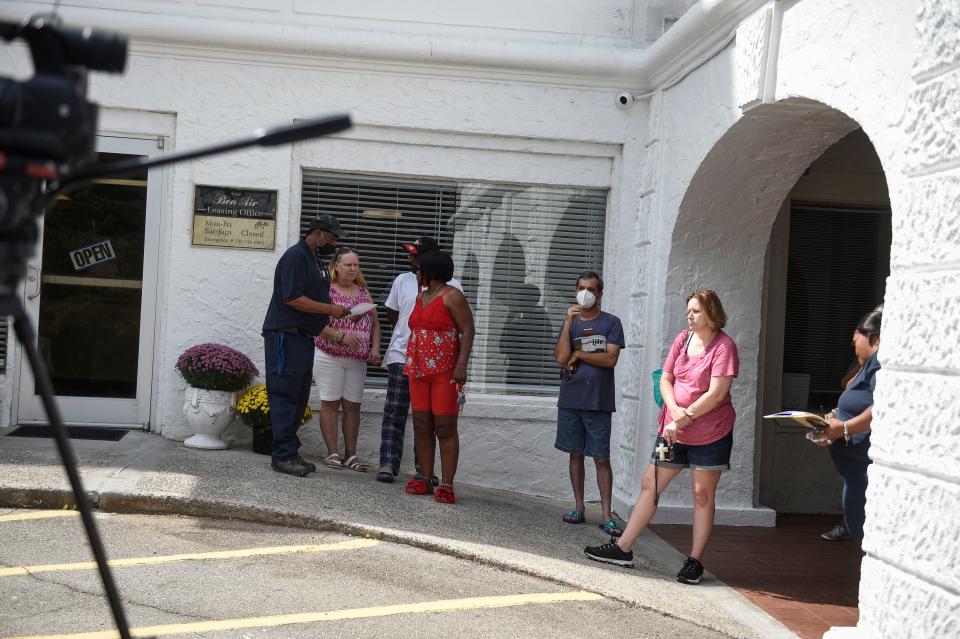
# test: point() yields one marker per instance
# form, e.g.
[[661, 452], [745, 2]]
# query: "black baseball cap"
[[422, 245], [328, 223]]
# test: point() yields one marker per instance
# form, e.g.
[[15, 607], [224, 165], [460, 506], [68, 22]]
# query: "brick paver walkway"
[[807, 583]]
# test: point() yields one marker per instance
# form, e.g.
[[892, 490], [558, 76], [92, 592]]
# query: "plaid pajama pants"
[[394, 417]]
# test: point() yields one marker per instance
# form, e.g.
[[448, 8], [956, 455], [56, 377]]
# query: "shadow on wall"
[[562, 271], [521, 251], [470, 279], [524, 322]]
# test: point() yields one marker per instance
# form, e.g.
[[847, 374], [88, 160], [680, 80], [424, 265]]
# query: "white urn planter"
[[208, 414]]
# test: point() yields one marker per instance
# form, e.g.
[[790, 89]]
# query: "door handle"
[[33, 276]]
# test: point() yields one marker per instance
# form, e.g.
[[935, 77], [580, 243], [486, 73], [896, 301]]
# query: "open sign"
[[91, 255]]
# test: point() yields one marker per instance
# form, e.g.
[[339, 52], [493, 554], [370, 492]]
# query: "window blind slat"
[[4, 341]]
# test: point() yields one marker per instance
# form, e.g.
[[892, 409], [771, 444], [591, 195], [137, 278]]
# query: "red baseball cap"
[[421, 245]]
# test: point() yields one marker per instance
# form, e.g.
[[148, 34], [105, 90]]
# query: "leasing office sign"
[[234, 217]]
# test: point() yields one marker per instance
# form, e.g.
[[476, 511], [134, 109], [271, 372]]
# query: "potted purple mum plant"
[[214, 373]]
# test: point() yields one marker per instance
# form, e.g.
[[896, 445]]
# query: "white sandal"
[[353, 463], [333, 460]]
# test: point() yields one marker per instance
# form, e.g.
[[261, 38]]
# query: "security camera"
[[624, 99]]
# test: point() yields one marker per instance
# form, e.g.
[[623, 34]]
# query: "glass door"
[[91, 291]]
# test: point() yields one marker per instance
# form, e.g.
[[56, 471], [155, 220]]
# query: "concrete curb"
[[57, 499]]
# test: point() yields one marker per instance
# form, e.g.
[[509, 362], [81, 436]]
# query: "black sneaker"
[[312, 467], [691, 573], [292, 466], [610, 554]]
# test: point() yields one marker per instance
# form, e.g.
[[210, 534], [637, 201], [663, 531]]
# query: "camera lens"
[[97, 50]]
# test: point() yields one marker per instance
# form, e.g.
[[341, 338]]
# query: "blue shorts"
[[712, 456], [584, 431]]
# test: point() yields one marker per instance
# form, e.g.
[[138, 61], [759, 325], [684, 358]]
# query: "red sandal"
[[419, 486], [445, 495]]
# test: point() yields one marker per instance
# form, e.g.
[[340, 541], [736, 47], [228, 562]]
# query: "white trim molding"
[[701, 28]]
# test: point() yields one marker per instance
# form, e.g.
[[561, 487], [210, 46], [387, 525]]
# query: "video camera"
[[47, 126], [48, 132], [48, 115]]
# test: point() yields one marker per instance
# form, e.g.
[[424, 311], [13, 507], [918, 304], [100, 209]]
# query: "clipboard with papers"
[[801, 417]]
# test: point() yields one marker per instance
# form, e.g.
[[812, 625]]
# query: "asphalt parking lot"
[[182, 576]]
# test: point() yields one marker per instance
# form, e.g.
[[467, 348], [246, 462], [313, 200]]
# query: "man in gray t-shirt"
[[587, 350]]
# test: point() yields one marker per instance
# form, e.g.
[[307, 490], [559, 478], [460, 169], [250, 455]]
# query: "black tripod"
[[11, 305], [21, 178]]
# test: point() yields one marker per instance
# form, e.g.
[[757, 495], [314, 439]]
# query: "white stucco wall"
[[725, 158], [434, 125], [909, 586], [906, 98]]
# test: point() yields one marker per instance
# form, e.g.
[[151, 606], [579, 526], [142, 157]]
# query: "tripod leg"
[[26, 337]]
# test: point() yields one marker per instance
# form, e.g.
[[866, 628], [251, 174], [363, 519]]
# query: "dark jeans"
[[289, 363], [851, 462]]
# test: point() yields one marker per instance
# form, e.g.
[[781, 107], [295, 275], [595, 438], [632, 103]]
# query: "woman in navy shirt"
[[848, 434]]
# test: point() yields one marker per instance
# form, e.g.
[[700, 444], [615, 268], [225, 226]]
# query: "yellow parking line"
[[443, 605], [351, 544], [42, 514]]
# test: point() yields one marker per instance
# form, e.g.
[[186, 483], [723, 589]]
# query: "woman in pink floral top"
[[441, 338], [344, 348]]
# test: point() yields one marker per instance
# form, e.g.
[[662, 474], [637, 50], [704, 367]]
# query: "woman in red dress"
[[441, 338]]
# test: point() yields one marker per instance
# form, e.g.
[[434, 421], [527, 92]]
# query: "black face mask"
[[326, 250]]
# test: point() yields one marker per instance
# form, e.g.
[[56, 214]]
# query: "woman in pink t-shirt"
[[696, 430]]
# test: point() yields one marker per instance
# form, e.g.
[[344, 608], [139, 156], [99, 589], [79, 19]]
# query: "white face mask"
[[586, 299]]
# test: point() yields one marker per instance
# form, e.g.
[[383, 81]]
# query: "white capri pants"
[[339, 377]]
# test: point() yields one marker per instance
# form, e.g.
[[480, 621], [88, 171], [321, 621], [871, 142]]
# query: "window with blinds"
[[4, 341], [517, 251], [837, 267]]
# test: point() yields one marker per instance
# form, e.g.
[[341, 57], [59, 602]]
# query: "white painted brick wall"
[[630, 373], [910, 577], [926, 226], [932, 122], [938, 34], [914, 523], [753, 39], [898, 605], [922, 327], [922, 411]]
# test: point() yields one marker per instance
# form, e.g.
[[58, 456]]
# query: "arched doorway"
[[733, 234], [827, 264], [720, 241]]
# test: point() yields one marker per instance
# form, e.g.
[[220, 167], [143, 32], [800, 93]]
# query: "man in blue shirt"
[[587, 350], [298, 311]]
